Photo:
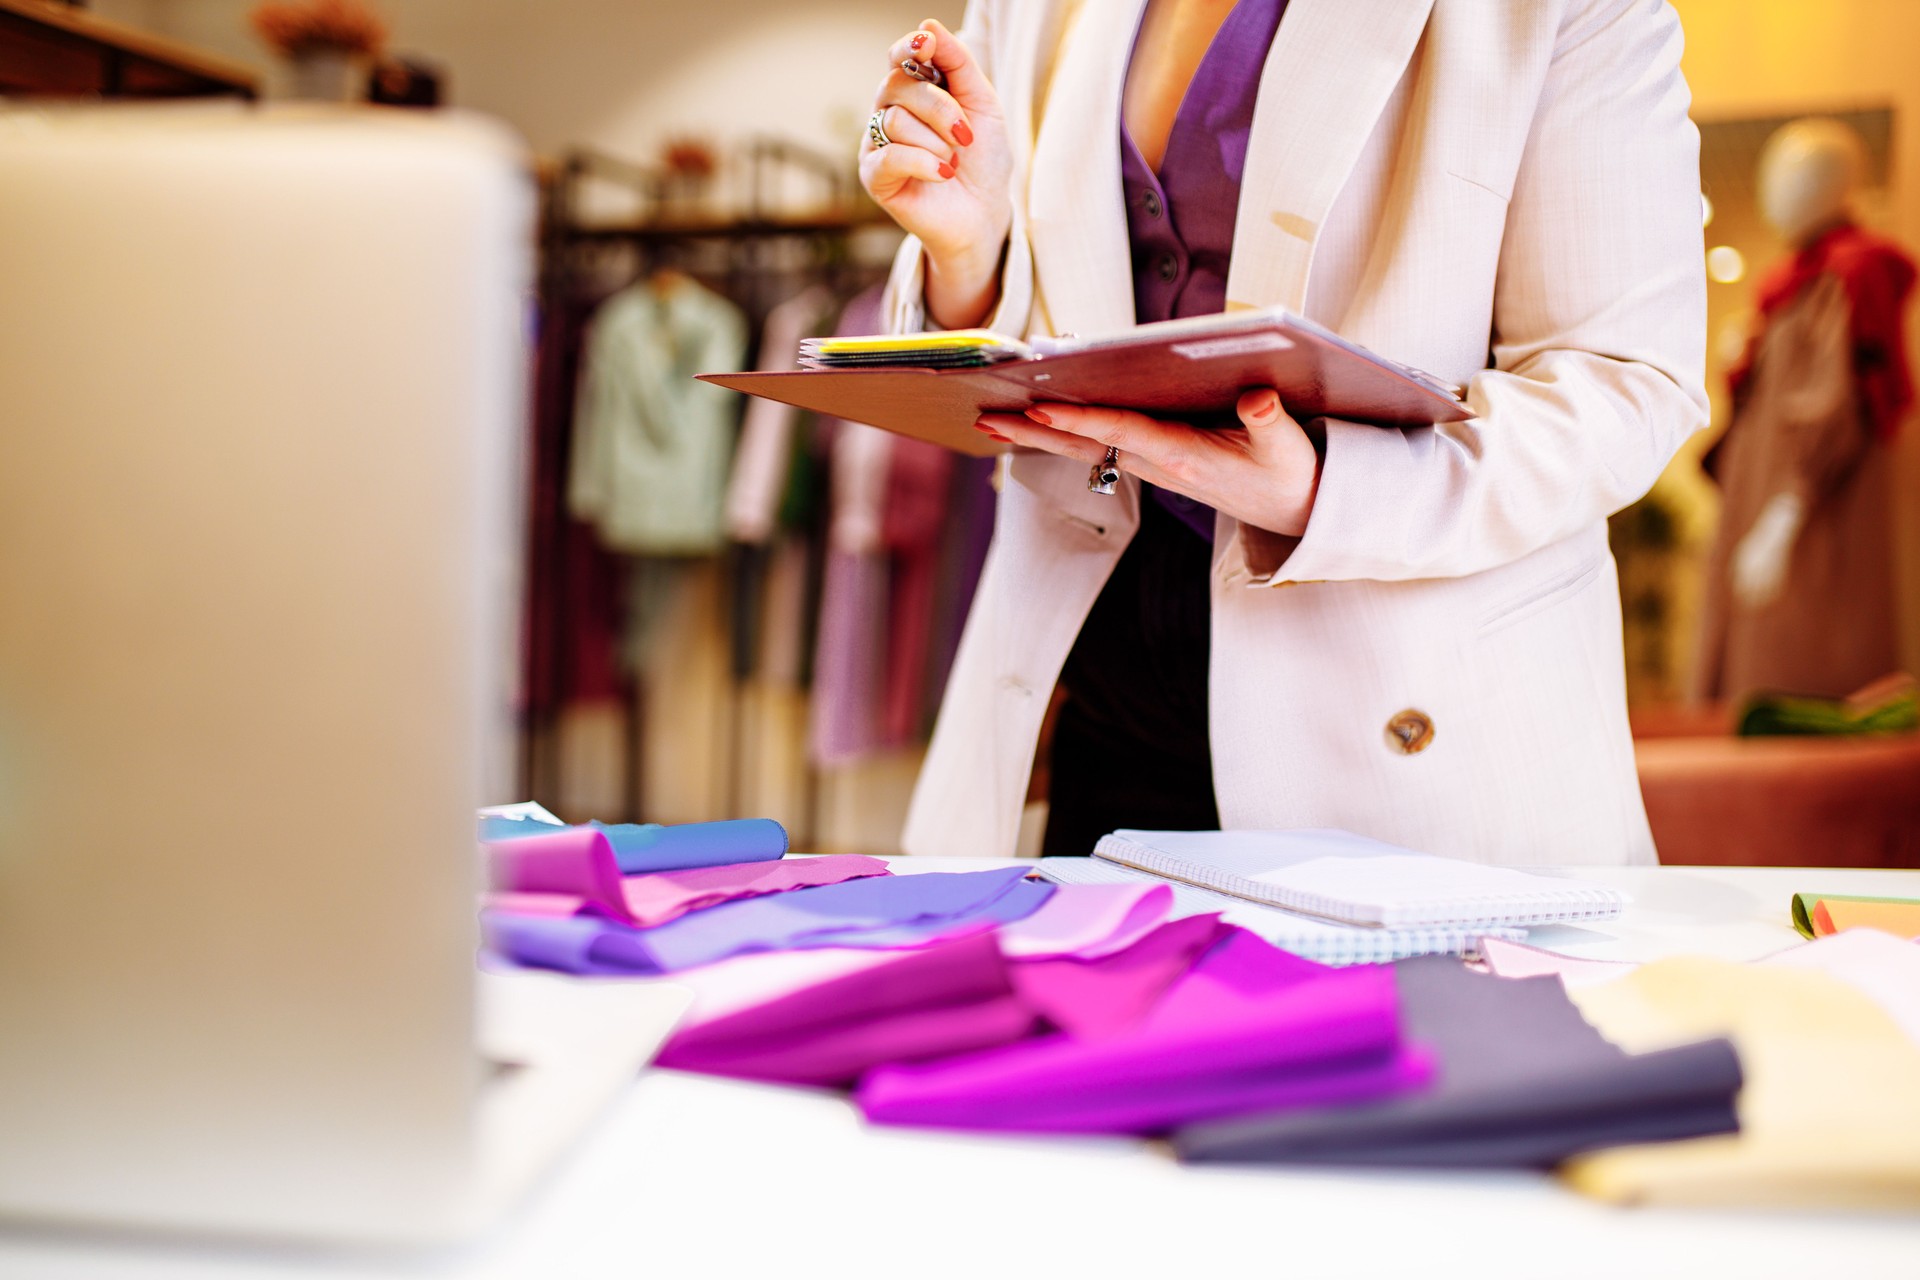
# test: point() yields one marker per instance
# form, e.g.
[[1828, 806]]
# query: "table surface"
[[687, 1176]]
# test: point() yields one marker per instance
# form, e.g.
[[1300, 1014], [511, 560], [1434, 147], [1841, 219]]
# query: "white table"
[[694, 1177]]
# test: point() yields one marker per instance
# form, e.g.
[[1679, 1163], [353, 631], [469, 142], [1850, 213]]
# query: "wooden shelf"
[[717, 228], [54, 50]]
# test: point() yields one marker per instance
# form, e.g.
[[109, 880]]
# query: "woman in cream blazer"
[[1501, 192]]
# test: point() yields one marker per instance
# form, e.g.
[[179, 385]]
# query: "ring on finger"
[[1106, 472], [877, 129]]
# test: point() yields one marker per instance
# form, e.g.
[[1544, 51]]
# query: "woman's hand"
[[944, 177], [1263, 473]]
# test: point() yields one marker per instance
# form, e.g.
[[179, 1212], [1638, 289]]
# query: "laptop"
[[261, 405]]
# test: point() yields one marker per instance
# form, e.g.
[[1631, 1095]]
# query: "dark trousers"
[[1130, 745]]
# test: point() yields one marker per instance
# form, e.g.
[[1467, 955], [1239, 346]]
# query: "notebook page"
[[1320, 940], [1350, 878]]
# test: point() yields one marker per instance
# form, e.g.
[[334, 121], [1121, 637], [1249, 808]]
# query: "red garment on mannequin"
[[1878, 276]]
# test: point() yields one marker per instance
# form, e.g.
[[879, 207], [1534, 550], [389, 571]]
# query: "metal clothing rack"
[[753, 258]]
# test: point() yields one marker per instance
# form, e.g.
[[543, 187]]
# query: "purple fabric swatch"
[[1109, 994], [952, 997], [1525, 1082], [882, 911], [1251, 1028], [667, 895]]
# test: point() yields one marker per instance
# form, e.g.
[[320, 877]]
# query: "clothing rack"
[[753, 257]]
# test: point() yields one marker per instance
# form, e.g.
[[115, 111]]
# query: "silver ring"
[[876, 130], [1106, 472]]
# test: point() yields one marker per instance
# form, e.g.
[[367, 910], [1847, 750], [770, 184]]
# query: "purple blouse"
[[1181, 219]]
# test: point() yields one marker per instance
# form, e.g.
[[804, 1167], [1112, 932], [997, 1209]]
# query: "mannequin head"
[[1810, 171]]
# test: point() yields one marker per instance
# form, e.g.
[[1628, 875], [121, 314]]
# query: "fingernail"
[[1269, 408], [946, 170], [918, 43], [1040, 416], [962, 134]]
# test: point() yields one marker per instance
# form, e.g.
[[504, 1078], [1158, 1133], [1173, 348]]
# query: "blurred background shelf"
[[49, 49]]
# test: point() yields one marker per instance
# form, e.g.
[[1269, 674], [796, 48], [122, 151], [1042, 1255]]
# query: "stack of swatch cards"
[[1336, 897]]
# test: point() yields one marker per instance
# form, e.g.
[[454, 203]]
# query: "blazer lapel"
[[1333, 65], [1076, 211]]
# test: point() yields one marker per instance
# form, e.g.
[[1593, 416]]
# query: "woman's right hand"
[[945, 176]]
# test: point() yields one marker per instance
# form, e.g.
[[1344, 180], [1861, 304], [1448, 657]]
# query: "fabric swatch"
[[667, 895], [1518, 960], [639, 848], [948, 998], [1088, 920], [1249, 1028], [1523, 1082], [1829, 1116], [1880, 966], [881, 911], [1109, 994], [572, 862], [1817, 915]]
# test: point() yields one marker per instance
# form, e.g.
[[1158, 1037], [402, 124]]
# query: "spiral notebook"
[[1318, 940], [1339, 876]]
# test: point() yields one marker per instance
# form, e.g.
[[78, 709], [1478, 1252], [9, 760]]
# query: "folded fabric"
[[948, 998], [1523, 1082], [1816, 915], [644, 847], [882, 911], [1249, 1028], [1518, 960], [668, 895], [1880, 966], [574, 862], [1829, 1116], [545, 904], [1088, 920], [1109, 994]]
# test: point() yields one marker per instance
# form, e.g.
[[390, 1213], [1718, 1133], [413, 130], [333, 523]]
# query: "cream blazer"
[[1503, 192]]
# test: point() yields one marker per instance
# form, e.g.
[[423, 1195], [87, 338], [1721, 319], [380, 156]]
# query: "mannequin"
[[1800, 587]]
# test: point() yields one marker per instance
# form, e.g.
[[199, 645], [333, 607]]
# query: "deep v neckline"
[[1174, 130]]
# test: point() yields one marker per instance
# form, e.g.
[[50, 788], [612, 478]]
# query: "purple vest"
[[1181, 219]]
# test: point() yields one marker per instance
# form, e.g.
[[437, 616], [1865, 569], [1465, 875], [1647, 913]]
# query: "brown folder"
[[1185, 369]]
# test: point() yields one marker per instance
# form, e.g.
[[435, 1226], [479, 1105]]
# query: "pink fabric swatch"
[[1106, 995], [667, 895], [951, 997], [1088, 921], [1517, 960], [575, 861]]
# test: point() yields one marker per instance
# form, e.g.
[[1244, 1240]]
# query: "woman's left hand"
[[1263, 473]]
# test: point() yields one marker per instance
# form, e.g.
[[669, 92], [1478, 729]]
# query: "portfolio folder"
[[1194, 369]]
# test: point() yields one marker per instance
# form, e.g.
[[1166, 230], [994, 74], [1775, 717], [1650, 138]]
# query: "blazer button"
[[1410, 732]]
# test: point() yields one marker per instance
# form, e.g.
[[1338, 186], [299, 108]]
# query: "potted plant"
[[323, 41]]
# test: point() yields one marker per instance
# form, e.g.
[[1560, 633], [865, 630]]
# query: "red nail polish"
[[962, 134], [918, 43], [946, 170], [1040, 416]]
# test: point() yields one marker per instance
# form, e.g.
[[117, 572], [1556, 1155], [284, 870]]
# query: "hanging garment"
[[1523, 1082], [1817, 399], [652, 444], [762, 464]]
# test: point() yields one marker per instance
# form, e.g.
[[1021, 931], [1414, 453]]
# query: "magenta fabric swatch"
[[1106, 995], [573, 861], [951, 997], [1088, 920], [1251, 1028], [552, 905], [668, 895]]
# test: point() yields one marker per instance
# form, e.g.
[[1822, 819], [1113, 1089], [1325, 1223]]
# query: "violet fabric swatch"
[[948, 998], [667, 895], [1088, 920], [572, 861], [880, 911], [1250, 1028], [1524, 1081]]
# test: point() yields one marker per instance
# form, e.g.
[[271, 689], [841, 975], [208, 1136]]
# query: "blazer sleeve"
[[905, 306], [1599, 333]]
